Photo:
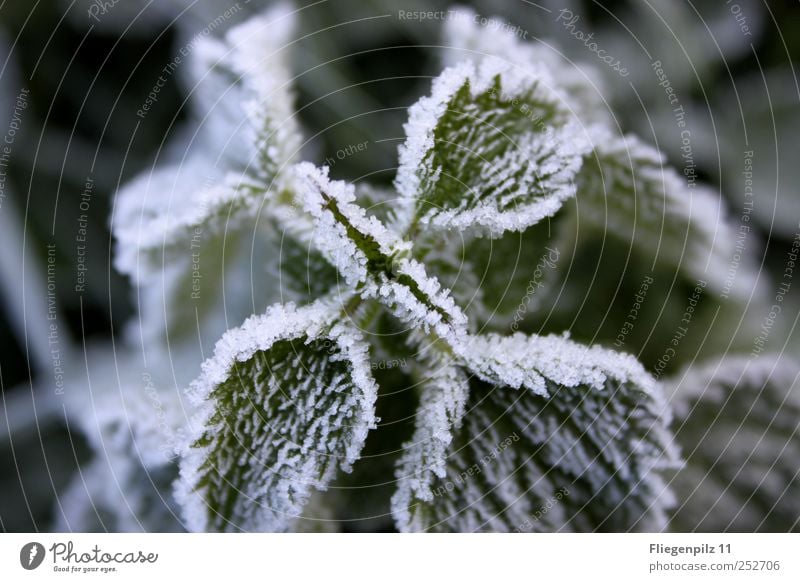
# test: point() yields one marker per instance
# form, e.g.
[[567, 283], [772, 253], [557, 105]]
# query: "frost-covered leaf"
[[248, 137], [737, 420], [243, 94], [372, 258], [133, 429], [286, 401], [162, 216], [378, 201], [446, 257], [493, 147], [361, 499], [443, 398], [206, 280], [576, 446], [582, 86], [304, 274], [533, 362], [358, 245], [626, 189]]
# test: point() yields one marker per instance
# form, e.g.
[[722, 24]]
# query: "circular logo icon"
[[31, 555]]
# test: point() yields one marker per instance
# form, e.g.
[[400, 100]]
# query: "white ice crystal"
[[536, 362], [343, 232], [590, 424], [288, 398], [285, 402], [371, 256], [493, 147], [581, 85], [241, 93]]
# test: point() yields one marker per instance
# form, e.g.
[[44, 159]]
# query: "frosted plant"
[[290, 402], [737, 421]]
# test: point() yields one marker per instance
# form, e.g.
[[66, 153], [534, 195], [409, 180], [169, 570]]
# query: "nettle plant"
[[512, 432]]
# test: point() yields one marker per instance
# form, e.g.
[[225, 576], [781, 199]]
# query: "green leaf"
[[492, 148], [625, 189], [373, 259], [286, 401], [304, 274], [249, 137], [577, 446], [736, 421], [465, 37], [498, 282]]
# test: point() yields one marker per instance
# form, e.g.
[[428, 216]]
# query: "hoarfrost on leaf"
[[492, 148], [577, 447], [285, 402], [736, 419], [581, 85], [374, 259], [241, 93], [536, 362], [513, 433], [443, 399], [626, 189]]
